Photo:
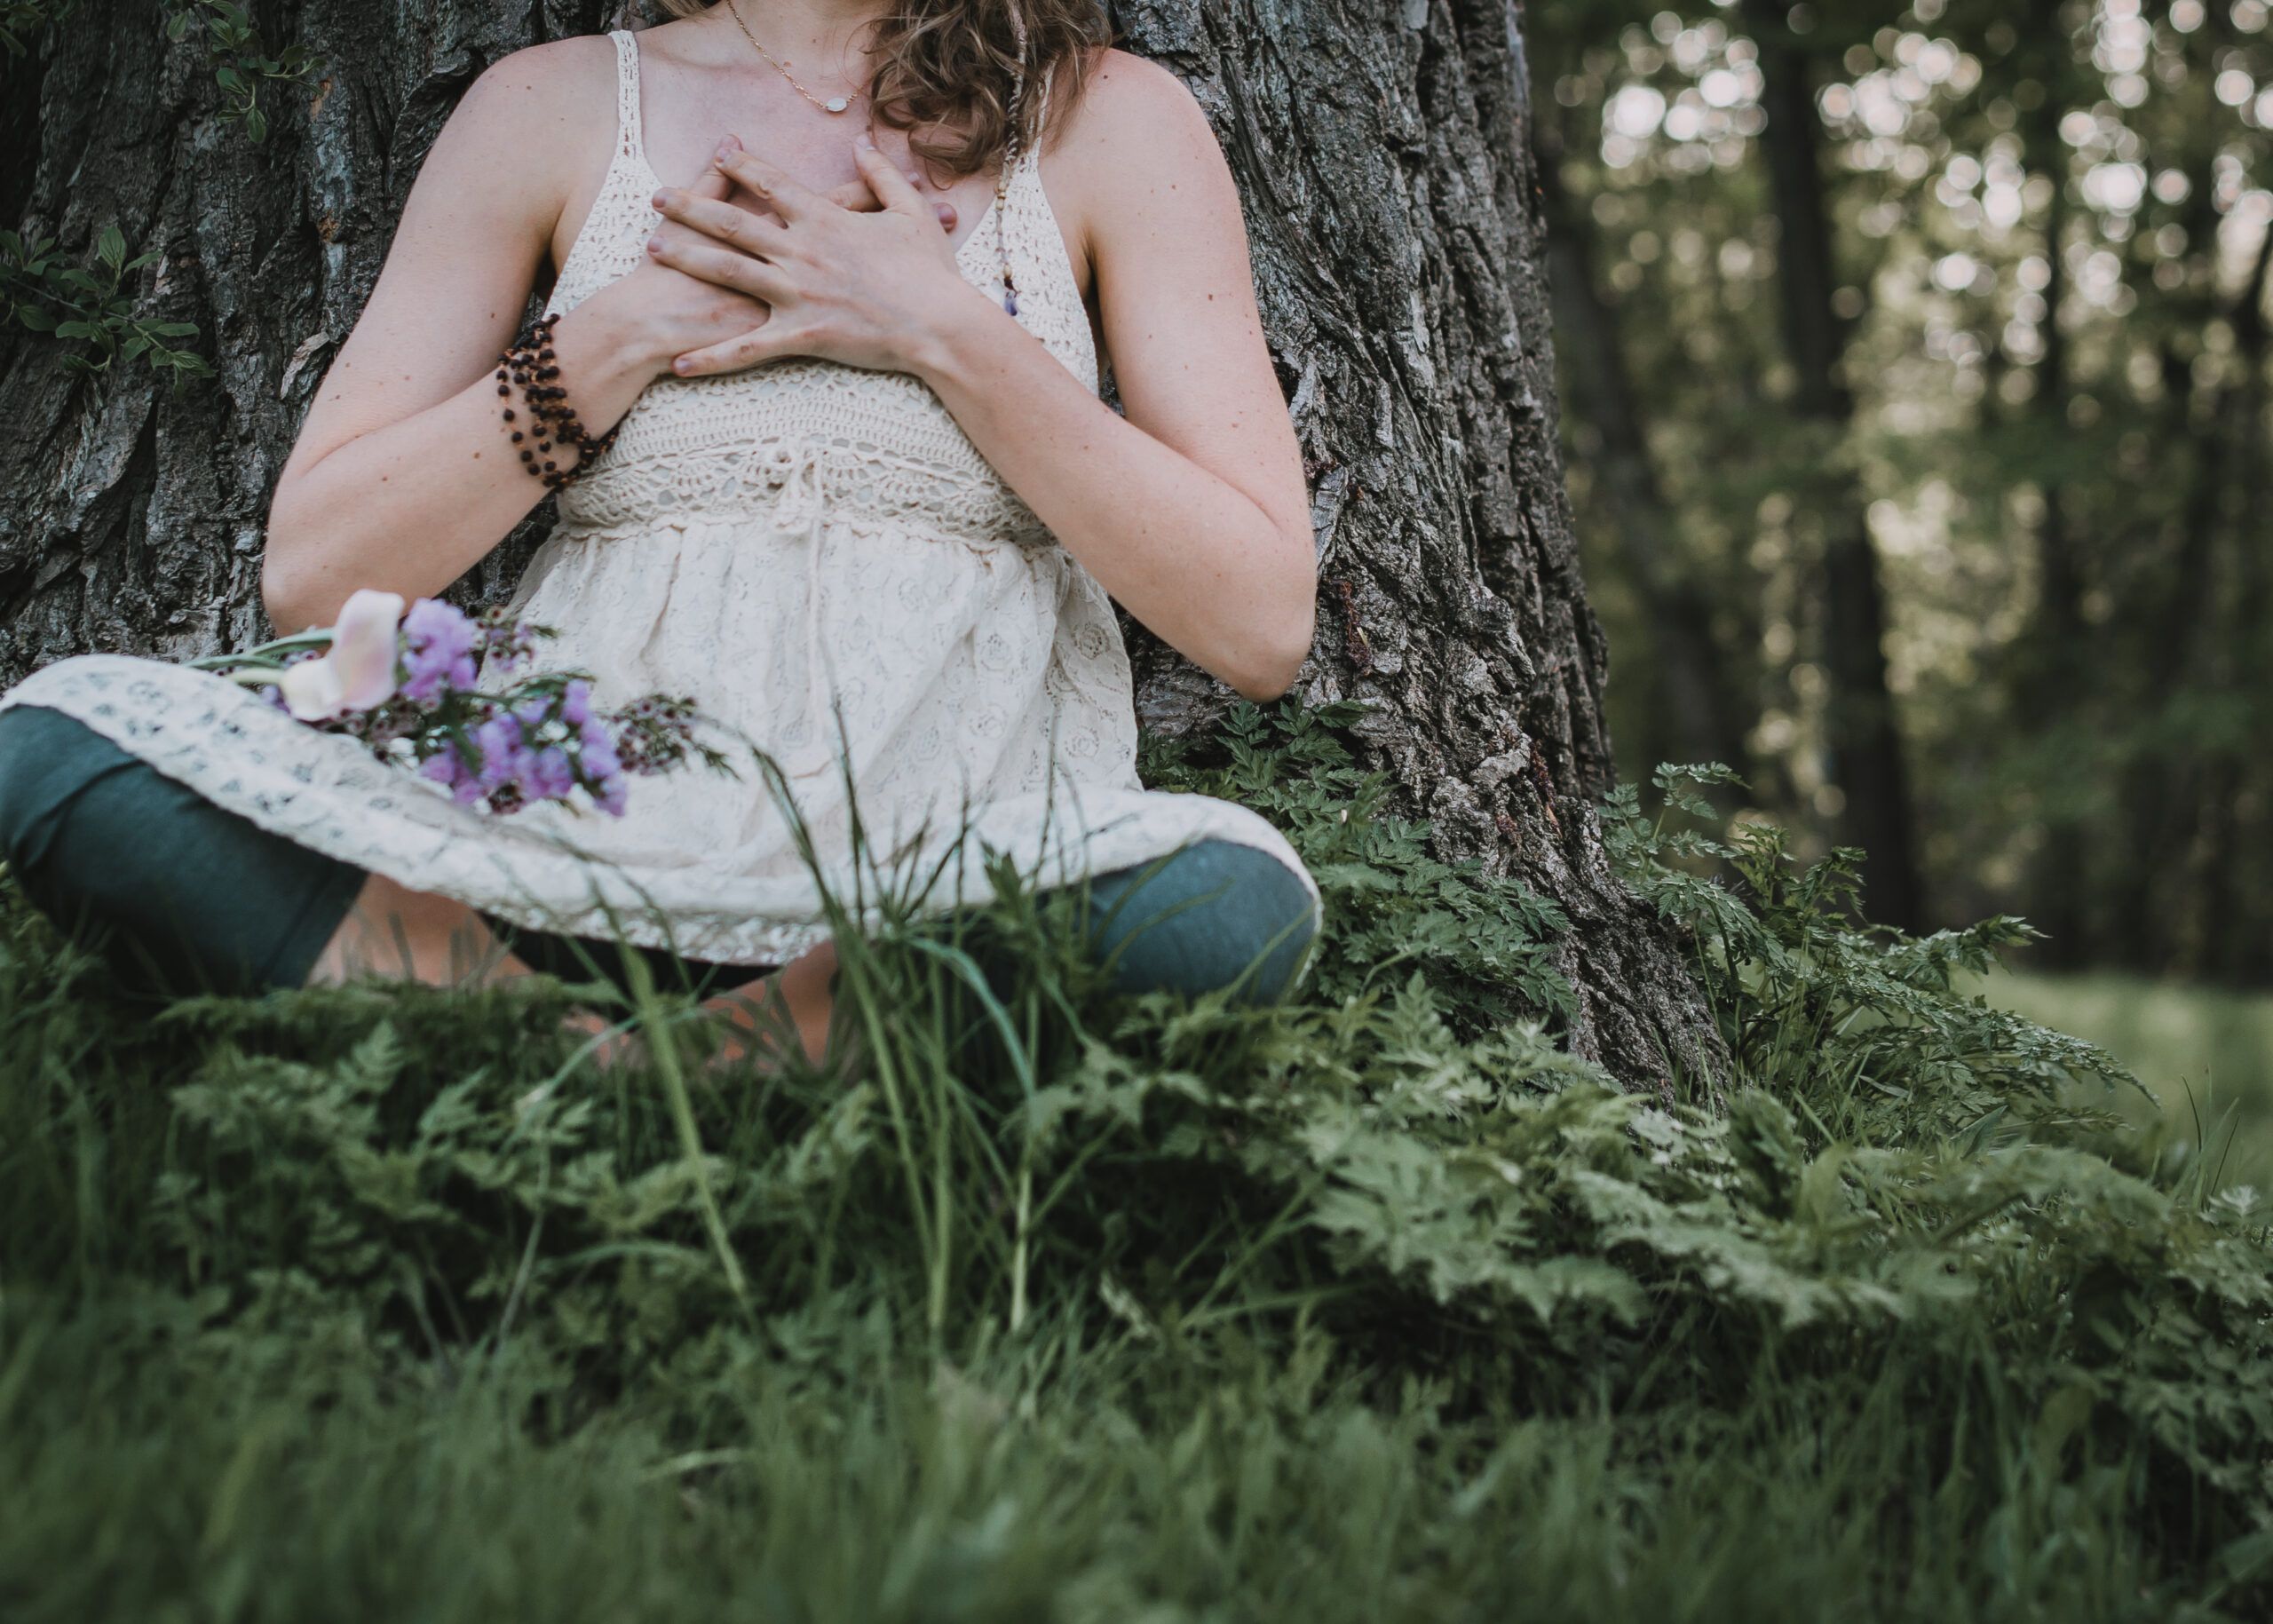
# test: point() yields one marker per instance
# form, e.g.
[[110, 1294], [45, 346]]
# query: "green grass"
[[2202, 1052], [380, 1304]]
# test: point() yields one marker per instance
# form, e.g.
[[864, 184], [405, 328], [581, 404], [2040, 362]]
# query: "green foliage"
[[2204, 1052], [1870, 1020], [21, 21], [239, 61], [90, 305], [1486, 944], [1079, 1306], [2048, 283]]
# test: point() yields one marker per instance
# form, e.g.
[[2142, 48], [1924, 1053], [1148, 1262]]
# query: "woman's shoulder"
[[1136, 145], [1125, 99], [552, 87], [527, 131]]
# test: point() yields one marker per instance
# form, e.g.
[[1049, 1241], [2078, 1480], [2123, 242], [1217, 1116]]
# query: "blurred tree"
[[1697, 719], [2045, 228], [1860, 727]]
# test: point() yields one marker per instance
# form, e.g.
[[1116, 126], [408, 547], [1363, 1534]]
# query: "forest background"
[[1919, 440]]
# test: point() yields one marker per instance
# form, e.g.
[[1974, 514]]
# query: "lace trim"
[[329, 793], [630, 126]]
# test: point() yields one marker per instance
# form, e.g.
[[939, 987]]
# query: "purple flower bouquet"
[[404, 684]]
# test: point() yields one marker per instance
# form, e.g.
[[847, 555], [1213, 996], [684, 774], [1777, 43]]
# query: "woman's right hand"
[[637, 318], [655, 313]]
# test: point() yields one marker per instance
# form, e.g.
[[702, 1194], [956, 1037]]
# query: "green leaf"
[[111, 246]]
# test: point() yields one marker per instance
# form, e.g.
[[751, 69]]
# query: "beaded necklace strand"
[[1010, 162]]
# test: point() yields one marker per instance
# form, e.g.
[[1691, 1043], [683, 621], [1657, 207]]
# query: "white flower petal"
[[363, 647], [311, 690]]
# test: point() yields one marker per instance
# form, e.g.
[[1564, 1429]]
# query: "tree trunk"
[[1865, 741], [2059, 644], [1397, 247], [1698, 717]]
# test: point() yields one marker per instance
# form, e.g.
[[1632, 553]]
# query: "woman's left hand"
[[865, 288]]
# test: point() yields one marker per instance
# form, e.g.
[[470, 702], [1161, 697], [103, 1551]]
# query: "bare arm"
[[1190, 510], [403, 476]]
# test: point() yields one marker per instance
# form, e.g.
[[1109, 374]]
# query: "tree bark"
[[1398, 252]]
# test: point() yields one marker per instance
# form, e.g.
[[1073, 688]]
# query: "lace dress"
[[793, 545]]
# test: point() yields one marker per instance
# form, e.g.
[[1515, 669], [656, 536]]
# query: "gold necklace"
[[835, 104]]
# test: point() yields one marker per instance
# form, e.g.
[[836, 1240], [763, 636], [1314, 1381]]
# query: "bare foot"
[[395, 934], [792, 1005]]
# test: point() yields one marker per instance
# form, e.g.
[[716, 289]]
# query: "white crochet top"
[[794, 545]]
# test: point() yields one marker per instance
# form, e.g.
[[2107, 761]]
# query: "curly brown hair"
[[949, 72]]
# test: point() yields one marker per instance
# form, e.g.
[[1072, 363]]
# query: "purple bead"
[[1011, 303]]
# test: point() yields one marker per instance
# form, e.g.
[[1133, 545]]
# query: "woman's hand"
[[864, 289], [656, 313]]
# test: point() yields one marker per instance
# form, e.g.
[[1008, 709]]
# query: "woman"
[[847, 482]]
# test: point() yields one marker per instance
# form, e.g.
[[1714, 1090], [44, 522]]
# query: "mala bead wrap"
[[1014, 111], [530, 365]]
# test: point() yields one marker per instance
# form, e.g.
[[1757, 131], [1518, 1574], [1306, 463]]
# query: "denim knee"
[[181, 895], [46, 759], [1211, 915]]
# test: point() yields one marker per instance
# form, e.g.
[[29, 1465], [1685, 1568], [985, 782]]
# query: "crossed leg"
[[200, 899], [391, 930]]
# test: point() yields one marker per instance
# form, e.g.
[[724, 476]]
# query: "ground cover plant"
[[2205, 1051], [385, 1302]]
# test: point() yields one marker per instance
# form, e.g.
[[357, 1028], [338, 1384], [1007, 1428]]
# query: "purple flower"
[[551, 774], [576, 702], [596, 751], [499, 740], [506, 644], [438, 645], [447, 767]]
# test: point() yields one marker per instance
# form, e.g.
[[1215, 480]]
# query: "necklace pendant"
[[836, 104]]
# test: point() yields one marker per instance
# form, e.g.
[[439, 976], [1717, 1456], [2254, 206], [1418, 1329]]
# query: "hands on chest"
[[750, 266]]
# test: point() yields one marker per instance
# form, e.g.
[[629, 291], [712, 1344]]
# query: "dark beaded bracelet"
[[530, 365]]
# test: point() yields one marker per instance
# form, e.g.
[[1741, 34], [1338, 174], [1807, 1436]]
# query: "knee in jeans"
[[45, 759], [1215, 916]]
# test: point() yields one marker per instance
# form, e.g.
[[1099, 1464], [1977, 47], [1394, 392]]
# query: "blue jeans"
[[184, 896]]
